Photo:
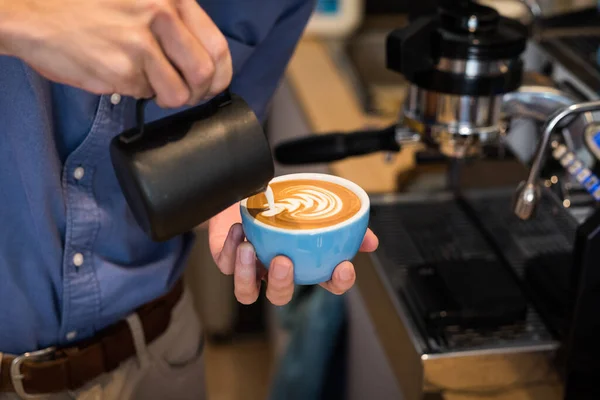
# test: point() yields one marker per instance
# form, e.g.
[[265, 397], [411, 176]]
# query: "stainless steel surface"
[[460, 372], [461, 124], [397, 335], [473, 68], [466, 115], [535, 102], [458, 124], [528, 193]]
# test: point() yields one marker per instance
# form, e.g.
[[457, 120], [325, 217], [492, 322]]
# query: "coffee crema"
[[305, 204]]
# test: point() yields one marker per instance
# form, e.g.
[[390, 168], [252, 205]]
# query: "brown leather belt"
[[58, 370]]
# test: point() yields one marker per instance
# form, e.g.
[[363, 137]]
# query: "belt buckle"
[[15, 370]]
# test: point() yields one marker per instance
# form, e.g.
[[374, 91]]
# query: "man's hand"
[[140, 48], [236, 257]]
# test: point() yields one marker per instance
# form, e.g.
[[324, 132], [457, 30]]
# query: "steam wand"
[[528, 192]]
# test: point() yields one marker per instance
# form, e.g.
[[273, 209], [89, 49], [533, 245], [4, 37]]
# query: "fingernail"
[[346, 274], [238, 232], [246, 254], [281, 270]]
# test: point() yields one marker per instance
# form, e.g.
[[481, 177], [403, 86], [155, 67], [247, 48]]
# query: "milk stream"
[[270, 198]]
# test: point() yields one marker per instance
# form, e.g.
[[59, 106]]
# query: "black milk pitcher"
[[180, 171]]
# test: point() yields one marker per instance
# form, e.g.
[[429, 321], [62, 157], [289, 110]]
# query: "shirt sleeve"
[[262, 36]]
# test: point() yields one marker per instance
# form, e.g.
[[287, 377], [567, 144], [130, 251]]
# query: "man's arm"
[[140, 48]]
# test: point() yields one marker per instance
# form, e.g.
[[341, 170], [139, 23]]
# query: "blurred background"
[[315, 347]]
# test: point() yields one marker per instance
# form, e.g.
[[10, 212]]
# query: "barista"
[[79, 281]]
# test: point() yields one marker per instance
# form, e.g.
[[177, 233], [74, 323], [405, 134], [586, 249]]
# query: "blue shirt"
[[72, 258]]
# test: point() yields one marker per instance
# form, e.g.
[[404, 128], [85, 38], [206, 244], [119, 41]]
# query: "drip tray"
[[460, 269], [477, 295]]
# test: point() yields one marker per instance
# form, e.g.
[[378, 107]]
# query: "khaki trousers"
[[171, 367]]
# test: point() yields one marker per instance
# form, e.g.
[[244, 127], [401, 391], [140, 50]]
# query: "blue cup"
[[314, 252]]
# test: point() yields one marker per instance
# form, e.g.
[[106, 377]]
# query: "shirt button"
[[78, 259], [78, 173], [115, 98], [71, 335]]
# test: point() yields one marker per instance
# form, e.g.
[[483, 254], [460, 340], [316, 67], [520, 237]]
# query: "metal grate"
[[418, 232], [551, 231], [548, 236], [413, 234]]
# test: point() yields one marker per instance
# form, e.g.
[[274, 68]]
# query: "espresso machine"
[[487, 276]]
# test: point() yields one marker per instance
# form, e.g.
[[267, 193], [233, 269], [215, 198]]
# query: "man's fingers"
[[246, 285], [211, 38], [370, 242], [225, 259], [167, 84], [342, 280], [187, 54], [280, 288]]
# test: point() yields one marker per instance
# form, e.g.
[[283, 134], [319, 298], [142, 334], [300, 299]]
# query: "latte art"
[[304, 204]]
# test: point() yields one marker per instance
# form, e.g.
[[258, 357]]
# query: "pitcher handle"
[[220, 100]]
